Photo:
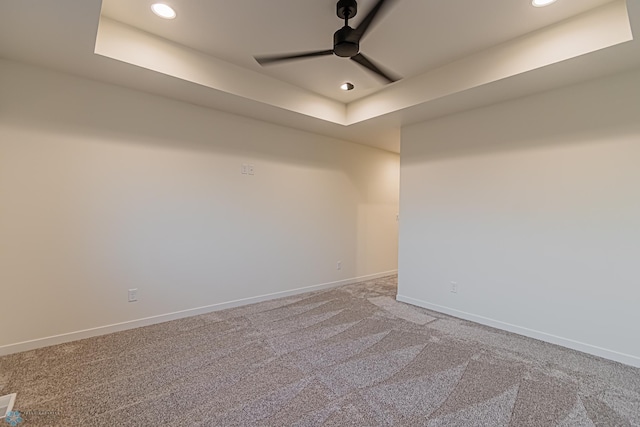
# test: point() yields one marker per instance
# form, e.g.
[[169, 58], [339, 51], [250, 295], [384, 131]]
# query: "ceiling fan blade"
[[361, 30], [266, 60], [366, 63]]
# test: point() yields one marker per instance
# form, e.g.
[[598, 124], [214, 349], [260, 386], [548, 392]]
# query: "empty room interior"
[[320, 212]]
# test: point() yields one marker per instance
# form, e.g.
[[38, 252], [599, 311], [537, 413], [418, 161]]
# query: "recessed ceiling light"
[[163, 11], [542, 3], [347, 86]]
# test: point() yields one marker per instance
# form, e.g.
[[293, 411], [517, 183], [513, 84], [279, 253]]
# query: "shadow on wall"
[[532, 125], [117, 115]]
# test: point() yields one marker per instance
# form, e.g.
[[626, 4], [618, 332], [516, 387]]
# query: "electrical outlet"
[[339, 265], [133, 295], [454, 287], [251, 169]]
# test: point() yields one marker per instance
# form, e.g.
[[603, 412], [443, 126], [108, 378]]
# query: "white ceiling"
[[453, 54], [410, 38]]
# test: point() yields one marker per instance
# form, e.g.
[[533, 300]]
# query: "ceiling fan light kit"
[[346, 41]]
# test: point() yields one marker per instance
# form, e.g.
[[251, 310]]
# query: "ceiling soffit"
[[597, 29]]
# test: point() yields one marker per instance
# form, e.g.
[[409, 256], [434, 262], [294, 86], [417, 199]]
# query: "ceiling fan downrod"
[[344, 44]]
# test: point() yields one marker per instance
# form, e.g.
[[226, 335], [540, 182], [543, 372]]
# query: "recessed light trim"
[[347, 86], [542, 3], [163, 10]]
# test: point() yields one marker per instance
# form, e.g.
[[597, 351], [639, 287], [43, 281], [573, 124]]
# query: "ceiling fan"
[[346, 41]]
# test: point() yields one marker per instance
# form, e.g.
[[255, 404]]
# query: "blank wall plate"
[[454, 287], [6, 404]]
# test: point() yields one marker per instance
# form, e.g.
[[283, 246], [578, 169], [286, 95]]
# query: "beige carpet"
[[349, 356]]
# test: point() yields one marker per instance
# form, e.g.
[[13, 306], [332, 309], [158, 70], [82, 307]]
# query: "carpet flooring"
[[348, 356]]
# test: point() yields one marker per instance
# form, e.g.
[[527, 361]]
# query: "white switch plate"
[[244, 169], [133, 295], [251, 170], [454, 287]]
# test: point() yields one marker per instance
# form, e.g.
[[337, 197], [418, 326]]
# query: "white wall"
[[103, 189], [533, 208]]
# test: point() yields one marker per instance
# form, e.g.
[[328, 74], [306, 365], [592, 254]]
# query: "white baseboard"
[[542, 336], [131, 324]]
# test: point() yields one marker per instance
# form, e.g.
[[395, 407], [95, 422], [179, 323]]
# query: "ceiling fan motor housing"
[[343, 44]]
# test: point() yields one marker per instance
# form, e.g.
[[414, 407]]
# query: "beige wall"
[[104, 189], [533, 208]]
